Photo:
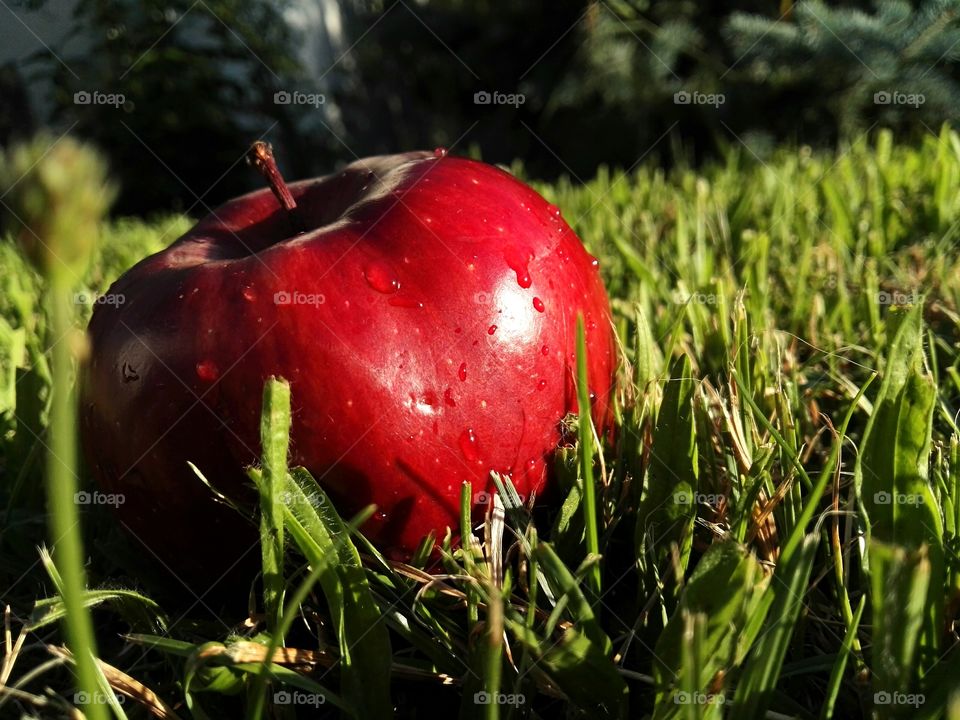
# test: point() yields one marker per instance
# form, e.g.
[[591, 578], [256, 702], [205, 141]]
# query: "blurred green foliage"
[[598, 80]]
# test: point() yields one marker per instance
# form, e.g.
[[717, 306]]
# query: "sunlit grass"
[[776, 515]]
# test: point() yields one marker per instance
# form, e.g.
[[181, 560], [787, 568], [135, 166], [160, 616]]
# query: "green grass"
[[771, 531]]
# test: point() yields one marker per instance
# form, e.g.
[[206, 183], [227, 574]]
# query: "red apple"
[[425, 318]]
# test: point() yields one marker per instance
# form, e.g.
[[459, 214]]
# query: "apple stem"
[[260, 155]]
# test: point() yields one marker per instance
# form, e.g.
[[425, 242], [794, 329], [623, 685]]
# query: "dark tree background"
[[598, 79]]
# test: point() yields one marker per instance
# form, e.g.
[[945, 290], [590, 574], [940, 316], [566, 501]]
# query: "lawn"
[[776, 512]]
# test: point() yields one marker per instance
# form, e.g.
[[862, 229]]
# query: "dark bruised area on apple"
[[438, 345]]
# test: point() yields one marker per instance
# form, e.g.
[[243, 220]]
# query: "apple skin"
[[426, 323]]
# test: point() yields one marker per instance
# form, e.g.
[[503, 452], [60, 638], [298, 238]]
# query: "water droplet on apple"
[[541, 385], [207, 370], [594, 262], [440, 152], [468, 445], [545, 350], [517, 261], [448, 397], [248, 294], [404, 302], [553, 210], [491, 330], [538, 304], [462, 371], [380, 516], [381, 279]]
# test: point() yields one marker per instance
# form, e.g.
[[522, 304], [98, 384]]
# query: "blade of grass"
[[577, 667], [57, 190], [586, 458], [725, 590], [846, 650], [275, 441], [669, 504], [324, 539], [109, 697], [893, 475], [762, 669], [571, 597], [900, 580], [258, 692], [49, 610], [494, 649]]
